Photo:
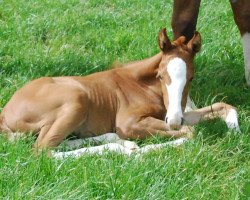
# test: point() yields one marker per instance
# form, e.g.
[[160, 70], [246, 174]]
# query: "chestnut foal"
[[184, 19], [138, 100]]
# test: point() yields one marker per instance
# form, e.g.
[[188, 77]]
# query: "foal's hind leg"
[[114, 144], [218, 110], [105, 138], [148, 127], [52, 135], [111, 147]]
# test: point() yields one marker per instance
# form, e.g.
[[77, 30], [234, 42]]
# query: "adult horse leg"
[[241, 10], [218, 110], [184, 18]]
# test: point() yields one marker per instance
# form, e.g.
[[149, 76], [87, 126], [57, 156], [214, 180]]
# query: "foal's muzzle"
[[175, 124], [182, 120]]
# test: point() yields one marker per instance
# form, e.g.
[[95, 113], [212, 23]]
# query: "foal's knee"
[[132, 131], [124, 132]]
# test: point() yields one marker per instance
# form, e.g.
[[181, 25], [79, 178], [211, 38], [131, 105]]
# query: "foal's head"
[[176, 70]]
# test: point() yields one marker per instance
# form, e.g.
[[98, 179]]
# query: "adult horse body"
[[138, 100], [184, 19]]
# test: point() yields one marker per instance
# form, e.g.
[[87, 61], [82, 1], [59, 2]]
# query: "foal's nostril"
[[182, 121], [166, 120]]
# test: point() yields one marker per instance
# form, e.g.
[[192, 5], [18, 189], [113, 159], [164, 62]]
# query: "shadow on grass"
[[221, 80], [211, 131]]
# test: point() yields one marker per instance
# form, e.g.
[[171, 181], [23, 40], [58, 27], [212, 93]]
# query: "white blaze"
[[177, 71], [246, 50]]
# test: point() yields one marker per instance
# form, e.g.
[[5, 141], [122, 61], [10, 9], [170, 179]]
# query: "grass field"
[[79, 37]]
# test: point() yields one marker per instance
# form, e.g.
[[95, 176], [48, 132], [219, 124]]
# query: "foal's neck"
[[145, 69]]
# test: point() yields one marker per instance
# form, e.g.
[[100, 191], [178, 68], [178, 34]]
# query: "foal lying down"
[[136, 101]]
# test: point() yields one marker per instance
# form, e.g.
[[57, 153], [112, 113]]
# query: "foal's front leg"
[[218, 110], [150, 126]]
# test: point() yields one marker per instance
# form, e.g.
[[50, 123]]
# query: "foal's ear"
[[163, 40], [195, 43]]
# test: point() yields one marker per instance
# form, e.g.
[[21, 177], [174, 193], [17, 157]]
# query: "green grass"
[[53, 38]]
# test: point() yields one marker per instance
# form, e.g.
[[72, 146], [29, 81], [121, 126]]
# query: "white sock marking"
[[128, 144], [232, 120], [105, 138], [73, 144], [118, 148], [115, 144], [246, 51], [153, 147], [113, 147]]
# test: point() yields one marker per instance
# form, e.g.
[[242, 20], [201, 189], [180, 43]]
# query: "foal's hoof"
[[130, 145]]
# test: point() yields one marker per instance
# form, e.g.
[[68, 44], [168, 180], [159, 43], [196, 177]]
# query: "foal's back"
[[95, 101]]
